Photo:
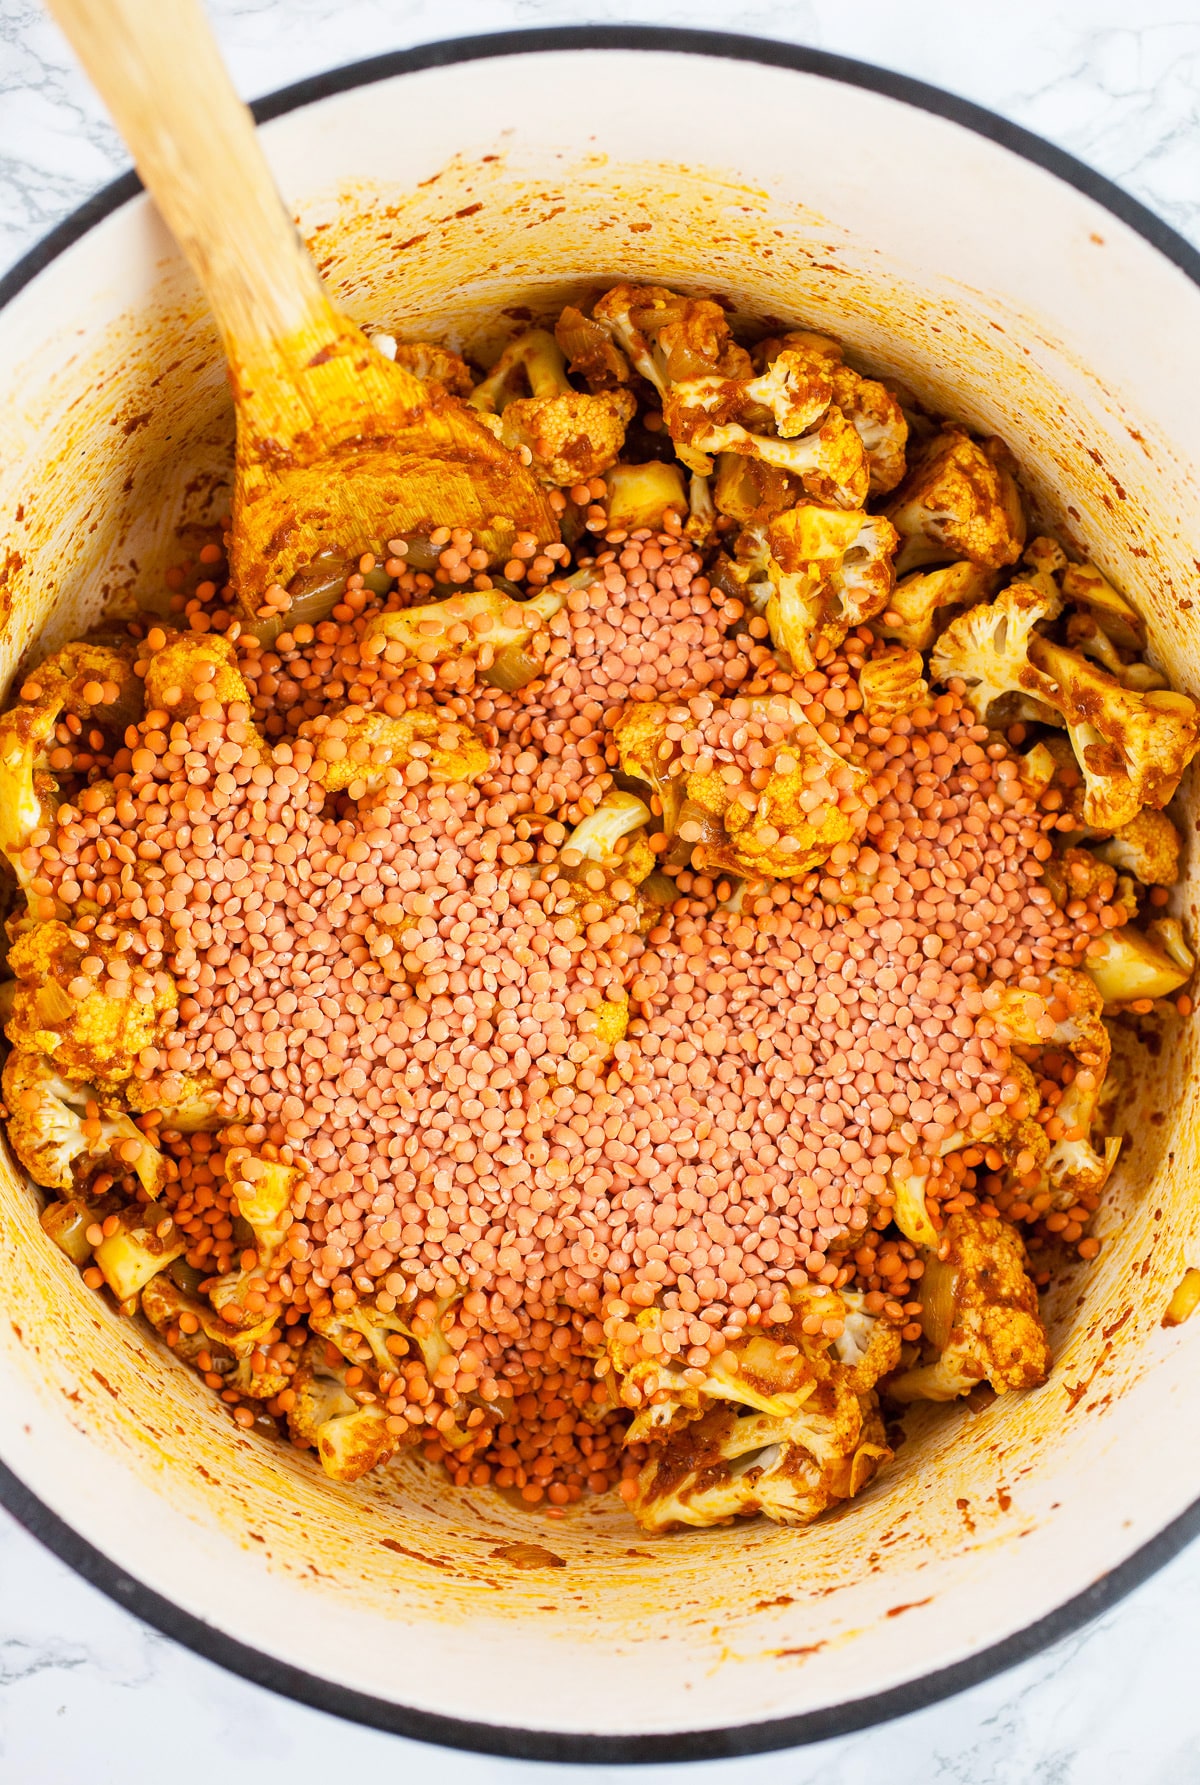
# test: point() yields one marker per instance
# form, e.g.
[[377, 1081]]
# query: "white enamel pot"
[[1007, 285]]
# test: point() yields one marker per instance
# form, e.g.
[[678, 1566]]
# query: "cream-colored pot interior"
[[435, 201]]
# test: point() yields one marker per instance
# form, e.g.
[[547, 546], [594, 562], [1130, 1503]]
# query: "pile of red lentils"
[[404, 992]]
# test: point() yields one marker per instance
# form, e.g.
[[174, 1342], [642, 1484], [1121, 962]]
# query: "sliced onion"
[[67, 1224], [939, 1287], [658, 889], [420, 554], [590, 350], [185, 1276], [315, 593], [512, 667]]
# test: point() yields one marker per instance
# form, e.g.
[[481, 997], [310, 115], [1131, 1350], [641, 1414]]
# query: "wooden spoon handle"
[[156, 65]]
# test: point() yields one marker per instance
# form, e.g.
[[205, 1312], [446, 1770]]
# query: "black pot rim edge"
[[547, 1745]]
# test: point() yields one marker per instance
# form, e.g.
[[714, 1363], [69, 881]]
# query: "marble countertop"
[[86, 1691]]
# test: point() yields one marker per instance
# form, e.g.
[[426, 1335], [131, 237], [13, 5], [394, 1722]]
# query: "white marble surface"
[[88, 1693]]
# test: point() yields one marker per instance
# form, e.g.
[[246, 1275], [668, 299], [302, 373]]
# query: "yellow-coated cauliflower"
[[714, 402], [467, 625], [869, 406], [818, 573], [61, 1145], [571, 435], [893, 682], [348, 1428], [86, 1005], [190, 668], [979, 1314], [920, 604], [236, 1357], [1131, 745], [427, 360], [783, 833], [608, 850], [1147, 847], [785, 1425], [355, 750], [93, 682], [959, 500]]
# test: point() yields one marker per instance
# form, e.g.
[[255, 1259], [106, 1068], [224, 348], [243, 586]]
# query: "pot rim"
[[598, 1748]]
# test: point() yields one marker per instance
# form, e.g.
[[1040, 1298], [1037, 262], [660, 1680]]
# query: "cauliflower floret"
[[1078, 874], [1100, 623], [1013, 1132], [868, 1347], [186, 1103], [794, 388], [367, 1335], [101, 1035], [700, 524], [595, 838], [733, 840], [233, 1356], [648, 755], [802, 1430], [814, 573], [777, 839], [427, 360], [1147, 847], [572, 435], [594, 870], [480, 623], [670, 338], [192, 667], [826, 578], [766, 1374], [138, 1251], [959, 500], [1132, 747], [1069, 1019], [1087, 589], [1073, 1168], [987, 648], [714, 403], [869, 406], [85, 681], [357, 749], [829, 461], [893, 682], [371, 1338], [730, 1465], [60, 1145], [350, 1435], [980, 1314], [265, 1190], [146, 1242], [1072, 1021], [920, 602]]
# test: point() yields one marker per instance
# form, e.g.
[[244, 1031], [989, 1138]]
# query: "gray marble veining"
[[88, 1693]]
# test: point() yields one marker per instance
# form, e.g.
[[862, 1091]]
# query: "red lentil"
[[400, 993]]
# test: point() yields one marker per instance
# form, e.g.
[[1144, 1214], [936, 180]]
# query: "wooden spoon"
[[337, 446]]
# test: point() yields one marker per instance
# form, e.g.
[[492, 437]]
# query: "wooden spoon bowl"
[[338, 448]]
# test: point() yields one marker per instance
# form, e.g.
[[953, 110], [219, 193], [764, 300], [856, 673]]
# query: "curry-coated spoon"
[[337, 446]]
